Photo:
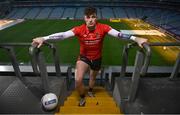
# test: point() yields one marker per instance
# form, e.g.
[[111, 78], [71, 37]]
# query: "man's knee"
[[93, 74], [78, 82], [93, 78]]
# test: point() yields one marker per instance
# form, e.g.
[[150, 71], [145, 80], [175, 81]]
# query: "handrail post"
[[125, 58], [14, 61], [101, 76], [176, 68], [55, 58], [147, 59], [136, 76], [43, 72], [56, 61], [124, 61], [69, 77], [38, 62], [34, 59]]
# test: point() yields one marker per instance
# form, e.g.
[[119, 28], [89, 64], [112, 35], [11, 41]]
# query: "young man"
[[90, 36]]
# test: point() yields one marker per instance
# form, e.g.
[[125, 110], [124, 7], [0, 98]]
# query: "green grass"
[[69, 48]]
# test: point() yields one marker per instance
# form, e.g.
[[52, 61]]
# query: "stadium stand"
[[5, 8], [79, 13], [120, 12], [32, 13], [161, 13], [69, 13], [56, 13], [20, 13], [107, 13], [44, 13]]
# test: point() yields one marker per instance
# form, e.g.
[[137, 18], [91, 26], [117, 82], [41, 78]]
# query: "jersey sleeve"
[[76, 30], [106, 28], [59, 36]]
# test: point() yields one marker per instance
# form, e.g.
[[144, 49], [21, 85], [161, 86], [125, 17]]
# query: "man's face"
[[90, 20]]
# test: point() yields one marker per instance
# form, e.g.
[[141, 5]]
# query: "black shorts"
[[94, 64]]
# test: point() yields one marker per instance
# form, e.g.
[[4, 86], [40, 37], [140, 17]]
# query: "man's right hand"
[[38, 42]]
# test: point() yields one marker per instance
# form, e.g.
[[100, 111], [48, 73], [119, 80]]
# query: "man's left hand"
[[140, 41]]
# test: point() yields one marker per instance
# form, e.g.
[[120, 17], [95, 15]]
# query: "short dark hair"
[[90, 10]]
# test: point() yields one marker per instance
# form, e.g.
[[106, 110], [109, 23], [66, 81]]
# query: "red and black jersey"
[[91, 42]]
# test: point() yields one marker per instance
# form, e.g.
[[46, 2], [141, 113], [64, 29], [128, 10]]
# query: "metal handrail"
[[39, 63], [142, 64], [9, 48], [146, 47], [15, 44], [13, 59], [125, 57], [33, 50], [164, 44]]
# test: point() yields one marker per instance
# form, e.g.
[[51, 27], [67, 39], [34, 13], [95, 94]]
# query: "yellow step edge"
[[96, 89], [91, 103], [89, 110], [95, 96], [91, 98], [93, 91], [96, 93]]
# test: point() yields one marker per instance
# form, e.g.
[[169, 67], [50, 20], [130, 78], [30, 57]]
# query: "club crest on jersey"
[[85, 35]]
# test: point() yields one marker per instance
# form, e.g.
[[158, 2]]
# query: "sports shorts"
[[94, 64]]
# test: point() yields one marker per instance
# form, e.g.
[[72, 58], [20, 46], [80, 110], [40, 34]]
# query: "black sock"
[[82, 95], [90, 89]]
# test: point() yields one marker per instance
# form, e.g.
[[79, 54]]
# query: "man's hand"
[[38, 42], [140, 41]]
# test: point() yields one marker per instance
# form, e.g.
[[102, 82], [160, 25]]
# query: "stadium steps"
[[102, 103]]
